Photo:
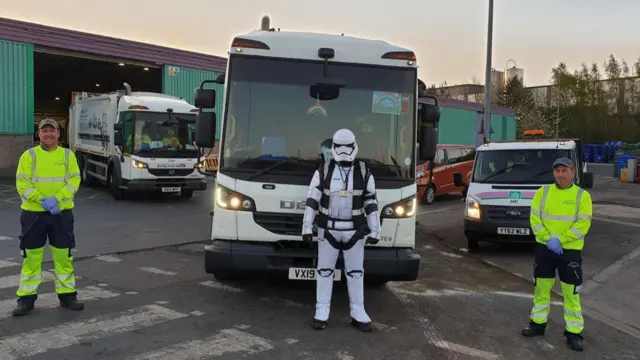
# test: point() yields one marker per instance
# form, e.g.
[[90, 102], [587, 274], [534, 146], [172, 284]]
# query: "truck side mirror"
[[118, 139], [206, 129], [220, 79], [429, 119], [587, 180], [205, 98]]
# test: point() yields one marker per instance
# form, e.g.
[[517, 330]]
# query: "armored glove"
[[371, 241], [554, 245], [307, 238]]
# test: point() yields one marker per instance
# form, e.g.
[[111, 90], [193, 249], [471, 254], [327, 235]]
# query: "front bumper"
[[158, 184], [260, 258]]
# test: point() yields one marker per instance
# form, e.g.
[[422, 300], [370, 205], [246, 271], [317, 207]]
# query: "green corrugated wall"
[[182, 81], [16, 88], [458, 126]]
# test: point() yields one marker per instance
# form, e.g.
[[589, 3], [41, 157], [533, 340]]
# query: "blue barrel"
[[587, 153], [599, 153]]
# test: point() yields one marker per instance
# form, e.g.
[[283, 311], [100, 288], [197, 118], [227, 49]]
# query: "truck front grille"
[[171, 172], [279, 223]]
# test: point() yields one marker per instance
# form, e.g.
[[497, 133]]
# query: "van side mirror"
[[587, 180], [206, 129], [457, 179]]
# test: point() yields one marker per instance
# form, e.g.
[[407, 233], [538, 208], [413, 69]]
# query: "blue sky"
[[448, 36]]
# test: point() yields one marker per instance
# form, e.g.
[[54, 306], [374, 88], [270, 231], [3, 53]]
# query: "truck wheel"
[[472, 244], [112, 184], [85, 178], [186, 194], [429, 195]]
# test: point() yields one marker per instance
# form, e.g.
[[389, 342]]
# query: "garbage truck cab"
[[505, 177], [285, 94]]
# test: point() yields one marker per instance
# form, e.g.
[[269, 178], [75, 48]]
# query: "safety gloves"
[[554, 245], [51, 205]]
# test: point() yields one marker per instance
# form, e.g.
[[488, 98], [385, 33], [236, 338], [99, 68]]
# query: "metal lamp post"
[[486, 118]]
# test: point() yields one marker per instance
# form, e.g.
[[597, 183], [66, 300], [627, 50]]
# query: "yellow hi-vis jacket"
[[43, 173], [562, 213]]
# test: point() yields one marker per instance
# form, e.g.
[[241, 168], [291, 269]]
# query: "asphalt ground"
[[147, 298]]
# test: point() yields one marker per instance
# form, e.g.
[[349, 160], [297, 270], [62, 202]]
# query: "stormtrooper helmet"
[[344, 148]]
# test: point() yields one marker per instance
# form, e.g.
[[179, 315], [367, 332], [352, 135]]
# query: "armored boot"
[[355, 287], [71, 303], [324, 290]]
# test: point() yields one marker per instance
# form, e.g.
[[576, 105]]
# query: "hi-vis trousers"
[[569, 267], [36, 228]]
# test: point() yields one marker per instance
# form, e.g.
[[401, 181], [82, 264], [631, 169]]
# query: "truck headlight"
[[201, 164], [402, 209], [139, 164], [232, 200], [472, 208]]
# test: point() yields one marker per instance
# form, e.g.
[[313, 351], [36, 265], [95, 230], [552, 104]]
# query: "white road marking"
[[477, 353], [241, 326], [5, 263], [343, 355], [435, 211], [219, 286], [103, 285], [5, 238], [227, 341], [161, 302], [451, 255], [290, 341], [546, 345], [50, 300], [13, 280], [108, 258], [197, 313], [68, 334], [612, 269], [131, 292], [463, 292], [157, 271], [9, 259], [428, 329], [522, 295]]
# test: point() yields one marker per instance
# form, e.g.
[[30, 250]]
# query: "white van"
[[505, 177]]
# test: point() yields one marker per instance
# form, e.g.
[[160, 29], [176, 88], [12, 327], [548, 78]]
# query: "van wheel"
[[429, 195], [472, 244]]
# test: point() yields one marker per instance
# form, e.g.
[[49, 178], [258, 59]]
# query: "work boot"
[[533, 330], [362, 326], [575, 341], [22, 309], [71, 303]]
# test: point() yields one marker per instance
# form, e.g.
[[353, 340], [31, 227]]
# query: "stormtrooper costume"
[[342, 195]]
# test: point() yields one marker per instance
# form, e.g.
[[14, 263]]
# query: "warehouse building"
[[42, 68]]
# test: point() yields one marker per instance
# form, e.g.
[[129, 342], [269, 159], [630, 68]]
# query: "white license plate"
[[309, 274], [170, 189], [513, 231]]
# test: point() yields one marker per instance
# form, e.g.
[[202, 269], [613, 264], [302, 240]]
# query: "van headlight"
[[472, 208], [404, 208], [232, 200]]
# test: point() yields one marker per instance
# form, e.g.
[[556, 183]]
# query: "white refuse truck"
[[136, 141], [505, 176], [285, 94]]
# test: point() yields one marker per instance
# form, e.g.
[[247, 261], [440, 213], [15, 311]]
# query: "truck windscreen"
[[281, 109], [155, 133], [518, 166]]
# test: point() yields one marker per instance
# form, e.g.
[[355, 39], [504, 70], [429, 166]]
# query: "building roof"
[[47, 36], [468, 105]]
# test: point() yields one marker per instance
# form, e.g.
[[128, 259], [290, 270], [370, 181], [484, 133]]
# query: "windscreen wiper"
[[501, 171], [281, 162]]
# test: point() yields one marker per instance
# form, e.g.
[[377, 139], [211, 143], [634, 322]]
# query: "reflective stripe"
[[584, 217], [573, 313], [354, 192], [36, 179], [24, 287], [68, 285], [577, 233], [22, 176], [575, 323], [28, 192], [546, 216], [538, 227], [26, 278], [353, 212], [63, 277]]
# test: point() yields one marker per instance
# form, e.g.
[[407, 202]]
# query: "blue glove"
[[49, 202], [554, 245], [55, 210]]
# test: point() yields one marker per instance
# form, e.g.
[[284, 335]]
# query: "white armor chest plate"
[[341, 201]]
